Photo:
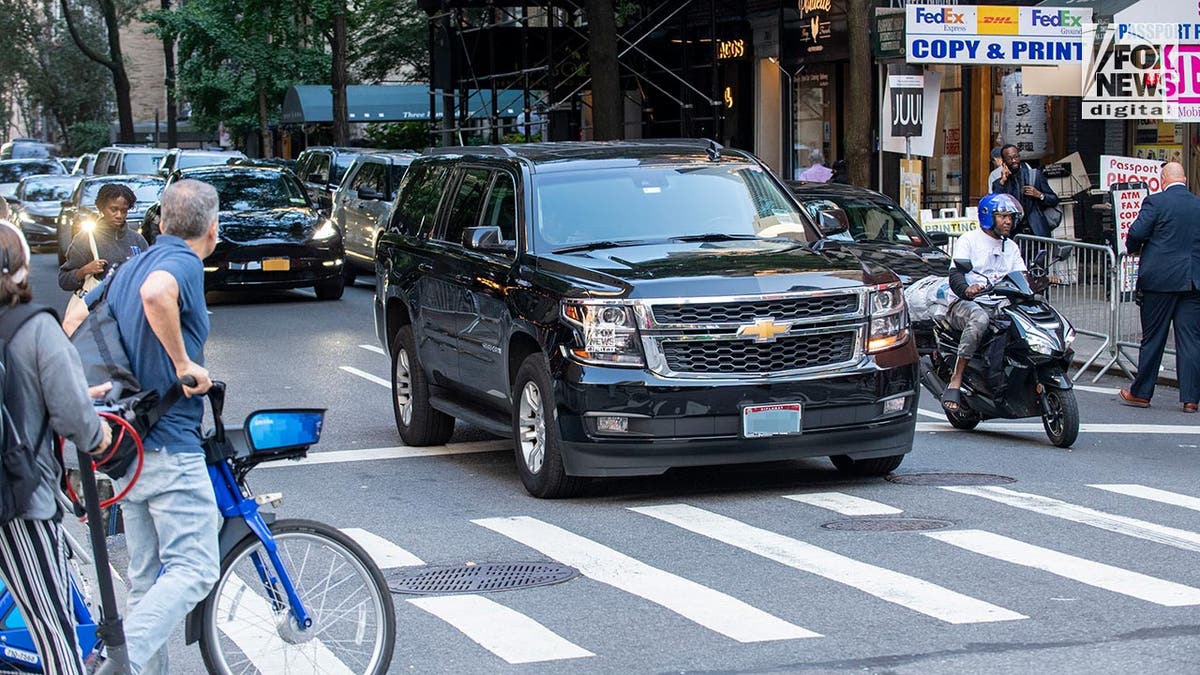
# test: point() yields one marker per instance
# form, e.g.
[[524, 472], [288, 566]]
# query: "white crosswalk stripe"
[[1183, 539], [707, 607], [1153, 494], [847, 505], [901, 589], [385, 554], [1100, 575], [505, 632]]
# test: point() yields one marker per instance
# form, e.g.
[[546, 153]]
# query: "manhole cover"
[[950, 479], [887, 524], [477, 577]]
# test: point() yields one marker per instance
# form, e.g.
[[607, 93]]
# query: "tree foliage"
[[238, 57], [87, 136], [112, 14], [389, 38]]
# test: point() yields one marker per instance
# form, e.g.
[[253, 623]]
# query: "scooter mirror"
[[963, 265], [1064, 252]]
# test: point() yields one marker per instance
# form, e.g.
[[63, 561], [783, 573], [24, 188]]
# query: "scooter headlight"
[[1040, 345], [1069, 336]]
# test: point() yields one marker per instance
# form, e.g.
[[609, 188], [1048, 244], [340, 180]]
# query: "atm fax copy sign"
[[995, 35], [1125, 74]]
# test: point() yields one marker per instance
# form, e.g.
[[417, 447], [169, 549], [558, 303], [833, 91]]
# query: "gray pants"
[[968, 317]]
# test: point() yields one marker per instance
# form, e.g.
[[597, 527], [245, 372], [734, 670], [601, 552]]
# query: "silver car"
[[361, 203], [39, 201]]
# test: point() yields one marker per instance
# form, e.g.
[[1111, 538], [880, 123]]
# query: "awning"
[[313, 103]]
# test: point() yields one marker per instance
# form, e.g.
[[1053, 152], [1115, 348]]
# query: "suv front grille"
[[736, 355], [783, 309]]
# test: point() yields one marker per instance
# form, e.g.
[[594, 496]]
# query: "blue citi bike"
[[293, 596]]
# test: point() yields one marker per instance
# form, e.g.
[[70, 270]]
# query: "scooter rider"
[[992, 256]]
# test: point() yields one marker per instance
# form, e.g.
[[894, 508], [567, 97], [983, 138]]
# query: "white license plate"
[[773, 419]]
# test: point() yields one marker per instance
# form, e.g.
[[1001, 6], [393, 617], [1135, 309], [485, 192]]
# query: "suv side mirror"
[[12, 199], [486, 239], [316, 178], [833, 221], [1064, 252], [938, 238], [963, 265], [368, 193]]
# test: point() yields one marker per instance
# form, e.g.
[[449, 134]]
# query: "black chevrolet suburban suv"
[[624, 308]]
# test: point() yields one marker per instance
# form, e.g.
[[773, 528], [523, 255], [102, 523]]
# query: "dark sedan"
[[269, 234], [39, 201], [80, 207], [879, 231]]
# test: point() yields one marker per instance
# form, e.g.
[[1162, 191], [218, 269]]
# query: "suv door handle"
[[425, 267], [463, 278]]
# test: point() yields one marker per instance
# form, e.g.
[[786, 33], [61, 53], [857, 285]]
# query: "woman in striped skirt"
[[44, 393]]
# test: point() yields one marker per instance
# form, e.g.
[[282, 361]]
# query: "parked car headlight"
[[889, 318], [605, 334], [326, 230]]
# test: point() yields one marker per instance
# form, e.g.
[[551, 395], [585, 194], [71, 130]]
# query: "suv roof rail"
[[702, 143], [494, 150]]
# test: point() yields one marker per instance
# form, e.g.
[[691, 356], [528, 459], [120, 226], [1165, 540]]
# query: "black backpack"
[[19, 472]]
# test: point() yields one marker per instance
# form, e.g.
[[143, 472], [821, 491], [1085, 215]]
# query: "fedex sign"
[[946, 15], [1062, 18]]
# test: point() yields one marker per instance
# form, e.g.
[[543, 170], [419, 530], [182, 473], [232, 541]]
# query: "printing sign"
[[995, 35]]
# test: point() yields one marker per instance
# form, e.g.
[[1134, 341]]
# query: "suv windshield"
[[251, 191], [45, 190], [137, 162], [656, 202], [870, 220], [14, 172], [188, 160], [146, 190]]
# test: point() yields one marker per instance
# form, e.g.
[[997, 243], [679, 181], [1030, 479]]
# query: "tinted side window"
[[372, 176], [397, 175], [319, 165], [501, 208], [465, 211], [415, 212], [357, 175]]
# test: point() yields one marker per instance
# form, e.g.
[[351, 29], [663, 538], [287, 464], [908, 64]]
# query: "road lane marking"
[[1141, 529], [1023, 427], [930, 413], [397, 452], [1107, 577], [847, 505], [901, 589], [697, 603], [367, 376], [505, 632], [374, 348], [1153, 494], [1097, 390], [385, 553]]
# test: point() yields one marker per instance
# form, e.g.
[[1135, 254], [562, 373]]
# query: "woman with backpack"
[[43, 391]]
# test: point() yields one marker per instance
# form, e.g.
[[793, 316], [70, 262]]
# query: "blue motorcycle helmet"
[[998, 202]]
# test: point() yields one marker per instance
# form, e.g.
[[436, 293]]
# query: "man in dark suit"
[[1167, 235], [1029, 187]]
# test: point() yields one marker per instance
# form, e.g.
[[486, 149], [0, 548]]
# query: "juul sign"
[[907, 86]]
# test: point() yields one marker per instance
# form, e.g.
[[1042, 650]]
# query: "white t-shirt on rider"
[[991, 258]]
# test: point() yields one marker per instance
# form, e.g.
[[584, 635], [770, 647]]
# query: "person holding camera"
[[93, 253]]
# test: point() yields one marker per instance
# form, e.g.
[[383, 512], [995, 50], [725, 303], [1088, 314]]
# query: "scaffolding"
[[483, 54]]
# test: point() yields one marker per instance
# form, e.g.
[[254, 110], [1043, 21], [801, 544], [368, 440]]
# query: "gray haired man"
[[171, 517]]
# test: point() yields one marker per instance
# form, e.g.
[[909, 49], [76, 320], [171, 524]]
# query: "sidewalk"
[[1086, 345]]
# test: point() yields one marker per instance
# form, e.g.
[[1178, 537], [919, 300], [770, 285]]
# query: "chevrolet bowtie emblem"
[[764, 330]]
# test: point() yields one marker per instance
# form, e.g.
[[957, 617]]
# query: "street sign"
[[906, 86]]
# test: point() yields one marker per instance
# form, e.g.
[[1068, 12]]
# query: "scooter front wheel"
[[1060, 416], [248, 623]]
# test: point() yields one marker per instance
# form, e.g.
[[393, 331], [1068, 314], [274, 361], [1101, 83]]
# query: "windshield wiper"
[[593, 245], [714, 236]]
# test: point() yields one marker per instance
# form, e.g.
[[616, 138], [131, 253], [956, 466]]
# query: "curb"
[[1167, 378]]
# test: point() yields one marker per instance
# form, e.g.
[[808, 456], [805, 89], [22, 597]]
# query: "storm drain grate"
[[939, 479], [887, 524], [477, 577]]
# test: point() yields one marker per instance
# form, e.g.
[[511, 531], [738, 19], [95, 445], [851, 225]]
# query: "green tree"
[[114, 14], [390, 38], [238, 57]]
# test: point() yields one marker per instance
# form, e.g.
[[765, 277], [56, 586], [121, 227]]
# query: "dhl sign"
[[998, 20]]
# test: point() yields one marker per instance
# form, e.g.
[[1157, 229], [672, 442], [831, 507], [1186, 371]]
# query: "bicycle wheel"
[[249, 627]]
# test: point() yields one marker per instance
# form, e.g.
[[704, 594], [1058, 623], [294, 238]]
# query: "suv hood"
[[908, 262], [291, 225], [45, 209], [686, 269]]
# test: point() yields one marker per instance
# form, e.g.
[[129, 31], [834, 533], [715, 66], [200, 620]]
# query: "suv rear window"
[[418, 203], [136, 162], [655, 202], [13, 173]]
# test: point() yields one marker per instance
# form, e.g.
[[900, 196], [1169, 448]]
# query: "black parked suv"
[[624, 308]]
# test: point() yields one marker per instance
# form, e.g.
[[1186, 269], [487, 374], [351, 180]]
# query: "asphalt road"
[[1085, 563]]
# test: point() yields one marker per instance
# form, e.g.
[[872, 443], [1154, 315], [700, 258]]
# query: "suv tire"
[[419, 424], [331, 290], [875, 466], [535, 433]]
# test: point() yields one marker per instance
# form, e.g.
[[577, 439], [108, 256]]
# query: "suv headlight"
[[605, 334], [888, 317], [326, 230]]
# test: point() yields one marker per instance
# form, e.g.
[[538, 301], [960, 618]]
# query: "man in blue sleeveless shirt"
[[171, 517]]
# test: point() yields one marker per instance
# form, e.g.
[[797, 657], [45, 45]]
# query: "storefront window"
[[814, 110], [943, 172]]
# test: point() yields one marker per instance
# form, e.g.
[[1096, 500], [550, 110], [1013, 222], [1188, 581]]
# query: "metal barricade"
[[1128, 320]]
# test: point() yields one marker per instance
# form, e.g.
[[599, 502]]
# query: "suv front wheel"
[[418, 423], [535, 433]]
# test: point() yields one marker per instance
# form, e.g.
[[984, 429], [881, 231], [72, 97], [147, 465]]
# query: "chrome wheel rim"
[[532, 428], [402, 379]]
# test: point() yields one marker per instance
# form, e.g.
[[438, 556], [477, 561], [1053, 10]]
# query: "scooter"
[[1028, 374]]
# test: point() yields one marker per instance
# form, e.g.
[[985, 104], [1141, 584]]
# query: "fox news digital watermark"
[[1140, 71]]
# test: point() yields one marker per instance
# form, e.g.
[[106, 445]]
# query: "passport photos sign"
[[995, 35]]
